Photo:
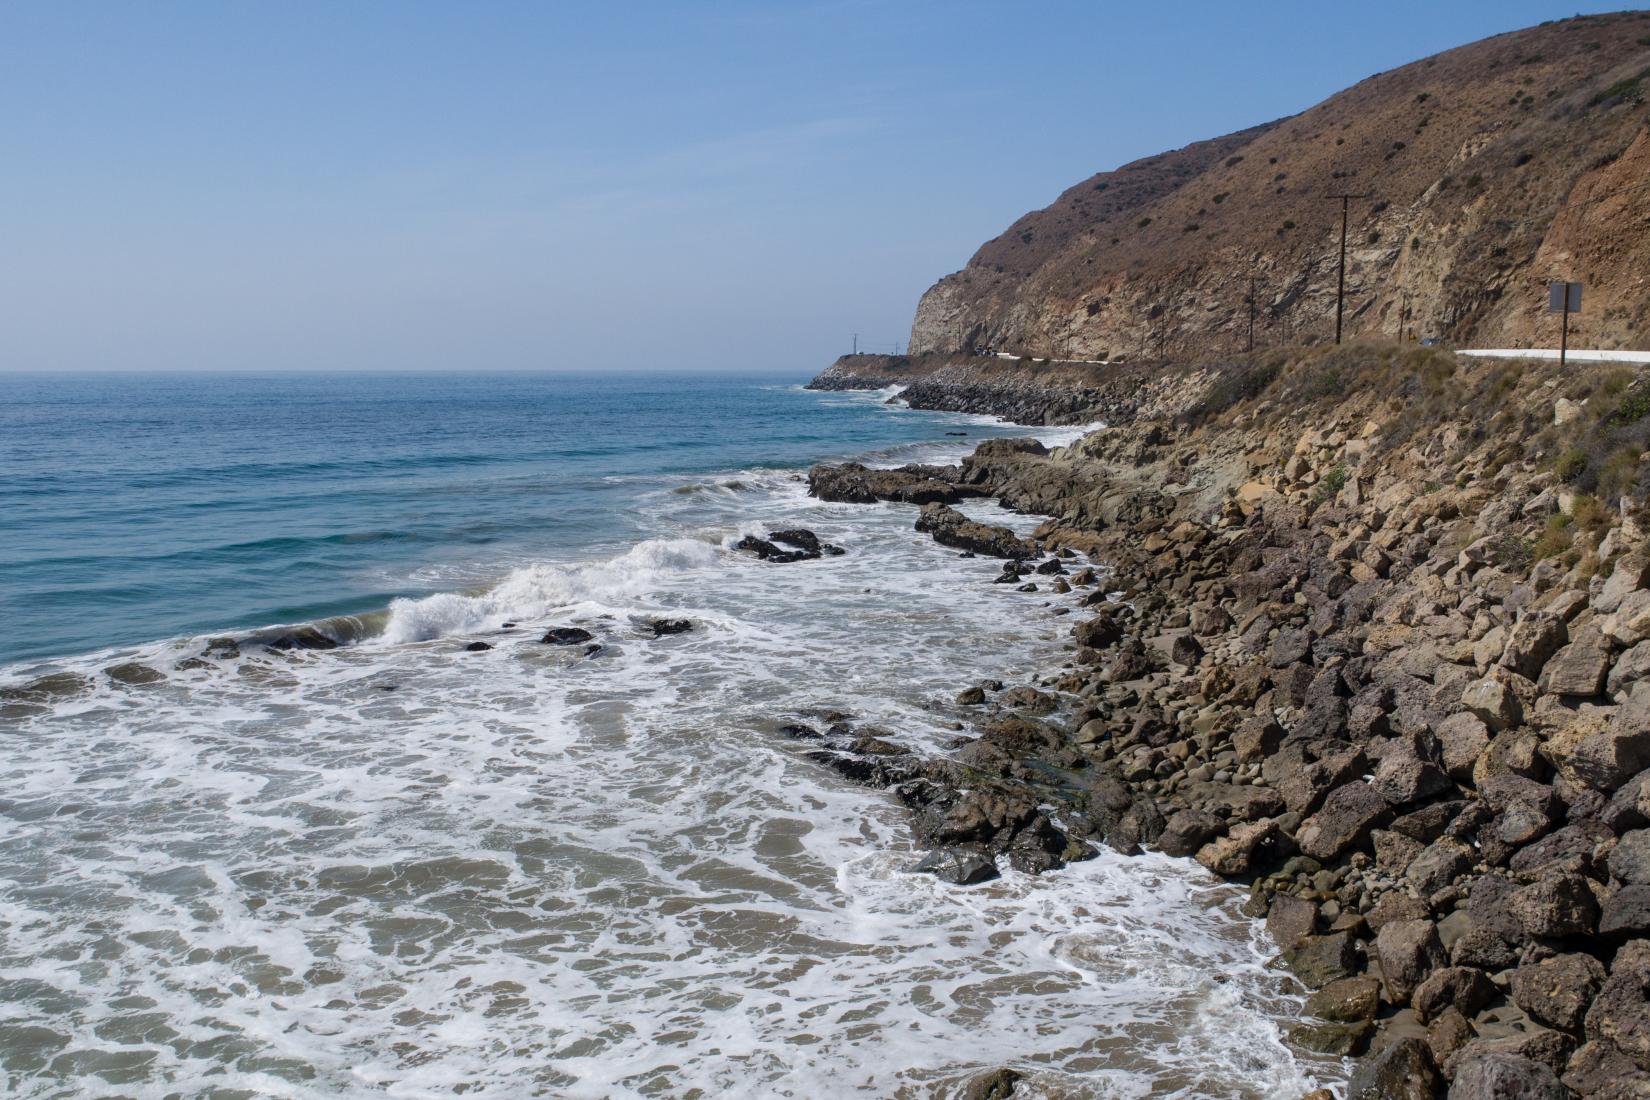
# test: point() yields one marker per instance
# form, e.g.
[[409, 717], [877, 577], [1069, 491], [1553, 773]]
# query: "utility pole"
[[1252, 313], [1340, 281]]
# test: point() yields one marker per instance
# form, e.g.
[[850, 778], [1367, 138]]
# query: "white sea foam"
[[538, 590], [401, 868]]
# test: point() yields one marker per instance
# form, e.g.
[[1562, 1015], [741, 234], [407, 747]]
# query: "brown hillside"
[[1490, 169]]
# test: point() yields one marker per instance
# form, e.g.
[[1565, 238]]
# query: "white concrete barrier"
[[1580, 355]]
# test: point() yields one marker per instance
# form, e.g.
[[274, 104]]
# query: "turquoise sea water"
[[138, 507]]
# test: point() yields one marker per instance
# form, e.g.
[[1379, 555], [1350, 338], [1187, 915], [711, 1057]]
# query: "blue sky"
[[379, 185]]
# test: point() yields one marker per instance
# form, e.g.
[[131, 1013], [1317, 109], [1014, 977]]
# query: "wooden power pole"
[[1340, 279]]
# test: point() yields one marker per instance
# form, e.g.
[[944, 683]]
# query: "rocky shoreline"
[[1367, 630]]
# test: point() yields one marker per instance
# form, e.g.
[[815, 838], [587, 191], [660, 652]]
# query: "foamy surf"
[[404, 868]]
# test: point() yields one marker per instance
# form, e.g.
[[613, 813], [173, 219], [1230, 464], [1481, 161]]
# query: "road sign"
[[1563, 297]]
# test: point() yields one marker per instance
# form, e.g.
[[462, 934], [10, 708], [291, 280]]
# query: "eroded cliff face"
[[1489, 170]]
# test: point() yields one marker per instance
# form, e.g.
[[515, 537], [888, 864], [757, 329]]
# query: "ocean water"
[[403, 868]]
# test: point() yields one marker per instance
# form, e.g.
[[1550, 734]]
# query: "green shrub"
[[1570, 464], [1333, 482], [1555, 540], [1238, 384], [1633, 407]]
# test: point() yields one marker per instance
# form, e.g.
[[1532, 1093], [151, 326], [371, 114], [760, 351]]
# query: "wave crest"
[[536, 590]]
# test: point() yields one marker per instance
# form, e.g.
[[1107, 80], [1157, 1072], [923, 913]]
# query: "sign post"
[[1564, 298]]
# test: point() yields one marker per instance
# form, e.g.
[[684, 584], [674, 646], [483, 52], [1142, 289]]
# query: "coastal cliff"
[[1480, 174], [1366, 629]]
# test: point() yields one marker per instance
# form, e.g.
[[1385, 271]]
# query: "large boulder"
[[1494, 703], [1626, 912], [1188, 830], [1461, 738], [1438, 865], [1402, 1071], [1504, 1077], [1343, 822], [1532, 640], [1555, 906], [1463, 988], [1630, 859], [1319, 960], [1556, 991], [1631, 573], [853, 483], [1581, 667], [949, 527], [1290, 919], [1409, 950], [1248, 847], [1346, 1000], [1604, 753], [1620, 1014], [1403, 776]]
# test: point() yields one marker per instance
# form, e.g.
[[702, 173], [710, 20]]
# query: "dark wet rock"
[[1290, 919], [988, 813], [1186, 831], [1345, 1038], [1319, 960], [664, 627], [303, 638], [1556, 991], [566, 635], [45, 689], [772, 554], [1346, 999], [949, 527], [852, 483], [958, 866], [1097, 633], [1028, 700], [971, 697], [477, 647], [803, 539], [1402, 1071], [995, 1084], [1504, 1077], [133, 674]]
